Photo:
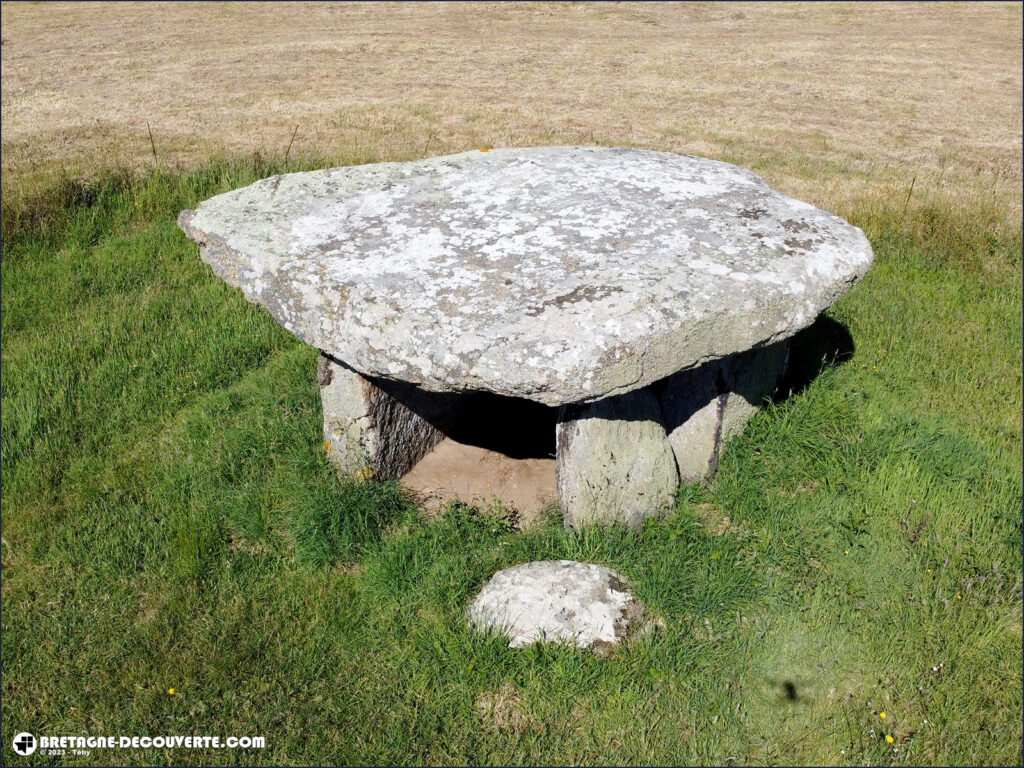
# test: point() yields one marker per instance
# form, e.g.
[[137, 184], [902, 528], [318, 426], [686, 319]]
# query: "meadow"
[[169, 518]]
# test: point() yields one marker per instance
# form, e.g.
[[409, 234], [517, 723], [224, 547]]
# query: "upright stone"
[[752, 377], [615, 463], [366, 430], [705, 406]]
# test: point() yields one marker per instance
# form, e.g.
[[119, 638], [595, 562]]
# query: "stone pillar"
[[614, 461], [367, 431], [705, 406]]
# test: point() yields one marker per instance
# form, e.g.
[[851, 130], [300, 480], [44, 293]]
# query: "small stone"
[[559, 601], [615, 463]]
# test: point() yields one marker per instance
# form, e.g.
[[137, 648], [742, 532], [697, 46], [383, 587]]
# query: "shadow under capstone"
[[479, 447], [824, 344]]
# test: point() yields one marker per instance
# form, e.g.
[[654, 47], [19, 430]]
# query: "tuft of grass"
[[170, 521], [341, 528]]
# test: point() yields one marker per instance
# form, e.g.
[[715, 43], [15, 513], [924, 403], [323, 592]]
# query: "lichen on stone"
[[557, 274]]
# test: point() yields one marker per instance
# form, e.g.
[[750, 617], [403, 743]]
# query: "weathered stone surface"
[[615, 463], [563, 601], [705, 406], [557, 274], [366, 430]]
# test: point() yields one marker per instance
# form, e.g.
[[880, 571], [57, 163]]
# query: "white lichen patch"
[[558, 274]]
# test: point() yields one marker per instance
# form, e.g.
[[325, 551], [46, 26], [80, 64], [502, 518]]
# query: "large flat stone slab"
[[556, 274]]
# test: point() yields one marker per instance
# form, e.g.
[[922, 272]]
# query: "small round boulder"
[[560, 601]]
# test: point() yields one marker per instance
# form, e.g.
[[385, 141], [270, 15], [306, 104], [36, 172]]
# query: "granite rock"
[[561, 601], [705, 406], [556, 274], [614, 461], [368, 432]]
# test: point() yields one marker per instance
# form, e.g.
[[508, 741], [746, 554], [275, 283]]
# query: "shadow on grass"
[[824, 344]]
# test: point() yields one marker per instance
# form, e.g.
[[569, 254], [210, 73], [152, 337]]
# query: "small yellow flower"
[[889, 739], [847, 551], [170, 691], [958, 597], [929, 570], [882, 715]]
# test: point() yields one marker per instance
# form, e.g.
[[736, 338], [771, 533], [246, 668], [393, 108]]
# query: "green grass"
[[170, 520]]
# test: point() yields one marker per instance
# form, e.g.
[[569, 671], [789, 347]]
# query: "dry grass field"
[[827, 100]]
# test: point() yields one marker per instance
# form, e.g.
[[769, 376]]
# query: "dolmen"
[[643, 299]]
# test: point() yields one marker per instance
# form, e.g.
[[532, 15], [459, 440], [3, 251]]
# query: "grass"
[[170, 521]]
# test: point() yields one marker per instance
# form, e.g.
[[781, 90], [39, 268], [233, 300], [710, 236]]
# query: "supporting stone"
[[367, 431], [705, 406], [615, 463], [619, 459]]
